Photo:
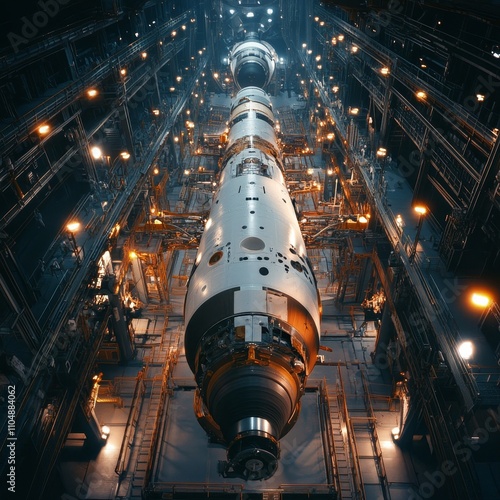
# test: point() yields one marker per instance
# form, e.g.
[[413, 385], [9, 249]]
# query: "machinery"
[[252, 309], [252, 62]]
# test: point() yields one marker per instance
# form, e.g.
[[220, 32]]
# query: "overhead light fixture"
[[105, 431], [96, 152], [250, 14], [73, 227], [43, 129], [466, 349], [495, 51], [480, 299]]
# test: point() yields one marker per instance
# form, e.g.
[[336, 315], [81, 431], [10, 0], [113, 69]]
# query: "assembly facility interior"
[[121, 122]]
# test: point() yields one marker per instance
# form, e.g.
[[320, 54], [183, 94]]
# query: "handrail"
[[431, 309], [160, 413], [23, 125], [130, 426], [410, 75], [329, 444], [356, 466], [376, 443]]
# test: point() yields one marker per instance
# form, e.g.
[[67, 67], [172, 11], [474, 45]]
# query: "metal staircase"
[[155, 378], [363, 425], [338, 458], [341, 449]]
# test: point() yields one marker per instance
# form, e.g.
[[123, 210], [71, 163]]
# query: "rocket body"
[[252, 309]]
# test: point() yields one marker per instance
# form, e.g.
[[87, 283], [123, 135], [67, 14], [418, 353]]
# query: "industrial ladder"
[[151, 418], [363, 438], [340, 448]]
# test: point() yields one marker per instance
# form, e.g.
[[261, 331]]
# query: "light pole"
[[381, 156], [72, 227], [421, 211], [97, 154], [123, 156]]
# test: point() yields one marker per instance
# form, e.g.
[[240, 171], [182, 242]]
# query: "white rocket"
[[252, 309]]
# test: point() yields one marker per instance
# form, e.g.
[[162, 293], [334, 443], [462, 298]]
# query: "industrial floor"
[[186, 458], [186, 461]]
